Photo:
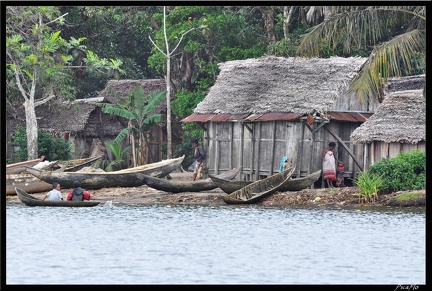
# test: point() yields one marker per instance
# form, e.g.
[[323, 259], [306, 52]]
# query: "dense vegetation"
[[53, 148], [210, 35]]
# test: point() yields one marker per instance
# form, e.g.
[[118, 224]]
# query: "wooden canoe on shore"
[[76, 165], [177, 186], [29, 200], [121, 178], [20, 167], [294, 184], [301, 183], [259, 189], [26, 182]]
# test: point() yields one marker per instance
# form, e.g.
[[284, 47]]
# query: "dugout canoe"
[[301, 183], [26, 182], [177, 186], [30, 200], [98, 180], [294, 184], [22, 166], [228, 186], [76, 165], [259, 189]]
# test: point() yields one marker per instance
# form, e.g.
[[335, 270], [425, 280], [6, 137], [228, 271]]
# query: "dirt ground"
[[146, 195]]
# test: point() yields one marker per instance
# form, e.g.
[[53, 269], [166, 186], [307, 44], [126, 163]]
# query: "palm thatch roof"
[[277, 84], [122, 88], [400, 118], [405, 83]]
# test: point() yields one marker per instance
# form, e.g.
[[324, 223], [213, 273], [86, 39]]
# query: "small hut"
[[260, 110], [81, 121], [398, 125]]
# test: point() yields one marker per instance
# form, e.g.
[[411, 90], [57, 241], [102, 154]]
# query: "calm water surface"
[[214, 245]]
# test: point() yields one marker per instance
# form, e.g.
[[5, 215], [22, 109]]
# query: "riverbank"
[[320, 196]]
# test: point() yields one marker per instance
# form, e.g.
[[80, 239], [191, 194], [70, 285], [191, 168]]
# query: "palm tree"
[[139, 111], [391, 53]]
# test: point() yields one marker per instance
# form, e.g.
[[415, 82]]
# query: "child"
[[340, 174]]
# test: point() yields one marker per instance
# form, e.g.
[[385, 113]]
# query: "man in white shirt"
[[54, 194]]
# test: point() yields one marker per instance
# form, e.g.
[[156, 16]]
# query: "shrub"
[[406, 171], [53, 148]]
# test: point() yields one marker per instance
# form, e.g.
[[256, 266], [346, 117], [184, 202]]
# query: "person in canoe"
[[199, 156], [54, 194], [78, 193]]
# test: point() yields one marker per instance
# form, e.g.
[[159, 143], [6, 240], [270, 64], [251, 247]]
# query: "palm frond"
[[387, 60]]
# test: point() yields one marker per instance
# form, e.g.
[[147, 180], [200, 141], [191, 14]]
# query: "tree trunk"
[[268, 16], [31, 129], [287, 12], [168, 103]]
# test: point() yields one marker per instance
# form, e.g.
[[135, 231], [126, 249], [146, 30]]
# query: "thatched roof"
[[405, 83], [276, 84], [400, 118], [122, 89]]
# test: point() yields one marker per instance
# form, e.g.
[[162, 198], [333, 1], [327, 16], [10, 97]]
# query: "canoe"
[[177, 186], [259, 189], [229, 186], [294, 184], [22, 166], [29, 200], [76, 165], [26, 182], [301, 183], [98, 180]]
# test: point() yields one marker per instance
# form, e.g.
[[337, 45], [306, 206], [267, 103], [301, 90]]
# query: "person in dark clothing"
[[78, 193], [199, 156]]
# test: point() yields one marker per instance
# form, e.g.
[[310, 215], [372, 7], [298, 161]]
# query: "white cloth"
[[329, 166], [54, 195]]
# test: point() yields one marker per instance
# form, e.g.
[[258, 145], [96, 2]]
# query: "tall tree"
[[392, 52], [168, 53], [39, 61]]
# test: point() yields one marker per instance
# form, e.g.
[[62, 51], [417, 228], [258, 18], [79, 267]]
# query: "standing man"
[[329, 164], [199, 156], [54, 194]]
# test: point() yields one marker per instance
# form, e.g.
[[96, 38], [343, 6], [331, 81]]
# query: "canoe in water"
[[30, 200]]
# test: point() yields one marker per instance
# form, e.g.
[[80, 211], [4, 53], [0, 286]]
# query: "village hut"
[[398, 125], [83, 123], [262, 110]]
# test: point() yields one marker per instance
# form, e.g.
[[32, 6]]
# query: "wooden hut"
[[81, 121], [398, 125], [260, 110]]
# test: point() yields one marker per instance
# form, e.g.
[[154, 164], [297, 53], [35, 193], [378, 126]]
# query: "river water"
[[141, 244]]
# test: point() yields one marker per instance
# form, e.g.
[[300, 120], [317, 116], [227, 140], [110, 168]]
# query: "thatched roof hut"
[[260, 110], [401, 118], [275, 84]]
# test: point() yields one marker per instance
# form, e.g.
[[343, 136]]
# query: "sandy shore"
[[146, 195]]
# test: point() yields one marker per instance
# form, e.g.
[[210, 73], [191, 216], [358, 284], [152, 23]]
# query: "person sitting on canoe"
[[78, 193], [54, 194]]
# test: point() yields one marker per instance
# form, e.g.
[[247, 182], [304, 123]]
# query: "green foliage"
[[53, 148], [399, 173], [283, 48], [120, 157], [369, 185]]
